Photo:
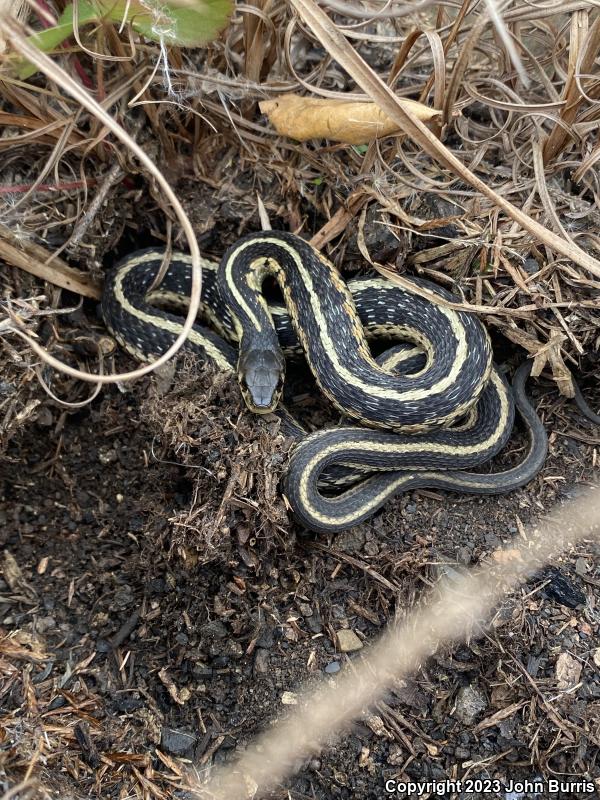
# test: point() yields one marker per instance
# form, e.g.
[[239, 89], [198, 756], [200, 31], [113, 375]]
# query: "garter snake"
[[324, 317], [413, 396], [320, 450]]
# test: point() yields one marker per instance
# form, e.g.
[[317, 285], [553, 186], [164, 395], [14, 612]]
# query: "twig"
[[36, 260], [114, 174], [64, 186], [355, 562]]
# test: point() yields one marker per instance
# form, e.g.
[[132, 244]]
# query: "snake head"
[[261, 373]]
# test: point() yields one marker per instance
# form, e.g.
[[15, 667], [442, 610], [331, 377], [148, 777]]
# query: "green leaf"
[[52, 38], [185, 23], [191, 25]]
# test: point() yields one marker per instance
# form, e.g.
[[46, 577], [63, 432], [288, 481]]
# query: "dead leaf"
[[350, 122], [568, 671], [180, 696], [504, 556]]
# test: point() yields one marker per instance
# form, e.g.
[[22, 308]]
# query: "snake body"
[[319, 451], [412, 398]]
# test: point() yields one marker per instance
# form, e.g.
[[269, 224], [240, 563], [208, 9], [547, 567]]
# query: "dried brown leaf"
[[568, 671], [350, 122]]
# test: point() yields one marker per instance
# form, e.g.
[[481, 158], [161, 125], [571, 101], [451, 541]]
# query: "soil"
[[158, 607]]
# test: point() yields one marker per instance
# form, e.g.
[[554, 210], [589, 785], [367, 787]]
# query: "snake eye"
[[261, 374]]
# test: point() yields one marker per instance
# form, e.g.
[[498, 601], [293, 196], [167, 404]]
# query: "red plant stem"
[[43, 19], [45, 23], [83, 76]]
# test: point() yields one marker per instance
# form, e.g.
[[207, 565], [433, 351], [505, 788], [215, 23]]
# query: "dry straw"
[[265, 34], [331, 38], [14, 34]]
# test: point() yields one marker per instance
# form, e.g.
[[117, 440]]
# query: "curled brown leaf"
[[350, 122]]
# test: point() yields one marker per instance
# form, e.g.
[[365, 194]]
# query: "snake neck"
[[327, 324], [243, 270]]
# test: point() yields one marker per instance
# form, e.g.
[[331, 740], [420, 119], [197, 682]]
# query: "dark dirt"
[[133, 639]]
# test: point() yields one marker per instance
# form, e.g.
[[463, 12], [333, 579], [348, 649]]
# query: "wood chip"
[[348, 641]]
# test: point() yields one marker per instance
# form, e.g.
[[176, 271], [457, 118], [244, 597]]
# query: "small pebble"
[[44, 624], [350, 540], [333, 667], [348, 641], [314, 624], [107, 455], [531, 266], [371, 548], [175, 742], [261, 661], [568, 672], [470, 703], [581, 566], [395, 755]]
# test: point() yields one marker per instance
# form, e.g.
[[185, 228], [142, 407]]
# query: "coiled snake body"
[[434, 406]]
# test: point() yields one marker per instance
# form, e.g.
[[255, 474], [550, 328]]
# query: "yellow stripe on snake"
[[428, 409]]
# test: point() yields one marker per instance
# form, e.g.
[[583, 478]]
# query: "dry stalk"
[[583, 51]]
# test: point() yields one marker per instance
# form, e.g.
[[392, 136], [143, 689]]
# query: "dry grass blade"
[[460, 67], [25, 790], [448, 42], [388, 10], [583, 51], [365, 77], [496, 17], [437, 79], [13, 33], [542, 188]]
